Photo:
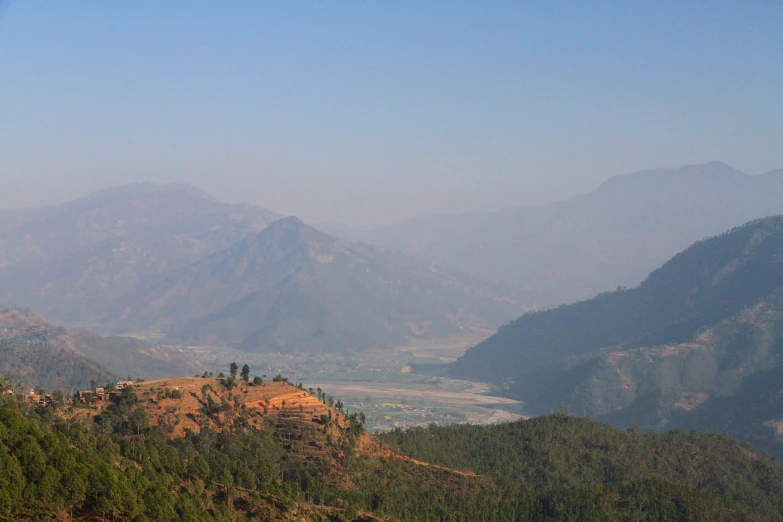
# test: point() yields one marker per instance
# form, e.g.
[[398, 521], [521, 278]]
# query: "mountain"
[[203, 449], [694, 344], [614, 236], [36, 353], [292, 287], [66, 261], [171, 259]]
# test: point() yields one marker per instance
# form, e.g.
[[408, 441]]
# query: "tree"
[[258, 381], [139, 420], [59, 397], [233, 369], [245, 373]]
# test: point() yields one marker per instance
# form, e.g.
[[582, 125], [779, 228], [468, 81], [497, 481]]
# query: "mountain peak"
[[705, 172], [288, 222], [293, 227]]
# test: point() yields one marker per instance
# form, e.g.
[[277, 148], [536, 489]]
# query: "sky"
[[371, 112]]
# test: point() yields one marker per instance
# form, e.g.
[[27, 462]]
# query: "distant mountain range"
[[614, 236], [168, 258], [172, 259], [66, 260], [698, 343], [34, 352]]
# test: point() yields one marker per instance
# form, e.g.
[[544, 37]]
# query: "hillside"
[[564, 452], [169, 259], [294, 288], [33, 363], [700, 329], [614, 236], [68, 261], [216, 449], [36, 353]]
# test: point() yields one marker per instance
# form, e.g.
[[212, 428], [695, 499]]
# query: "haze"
[[367, 113]]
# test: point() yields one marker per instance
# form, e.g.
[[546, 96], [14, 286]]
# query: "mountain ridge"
[[613, 236], [64, 259], [699, 329]]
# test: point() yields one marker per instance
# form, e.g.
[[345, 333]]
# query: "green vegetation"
[[699, 329], [122, 464], [37, 363], [563, 462], [124, 467], [38, 353]]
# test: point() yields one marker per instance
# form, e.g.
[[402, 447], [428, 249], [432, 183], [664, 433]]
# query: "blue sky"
[[370, 112]]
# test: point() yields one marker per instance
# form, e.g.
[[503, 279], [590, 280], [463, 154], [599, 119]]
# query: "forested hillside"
[[35, 363], [37, 353], [226, 449], [562, 452], [700, 328]]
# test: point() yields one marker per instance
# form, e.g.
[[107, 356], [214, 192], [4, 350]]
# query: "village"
[[89, 396]]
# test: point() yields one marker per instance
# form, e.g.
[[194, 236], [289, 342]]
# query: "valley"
[[382, 384]]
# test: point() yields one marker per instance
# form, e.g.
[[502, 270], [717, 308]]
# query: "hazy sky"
[[368, 112]]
